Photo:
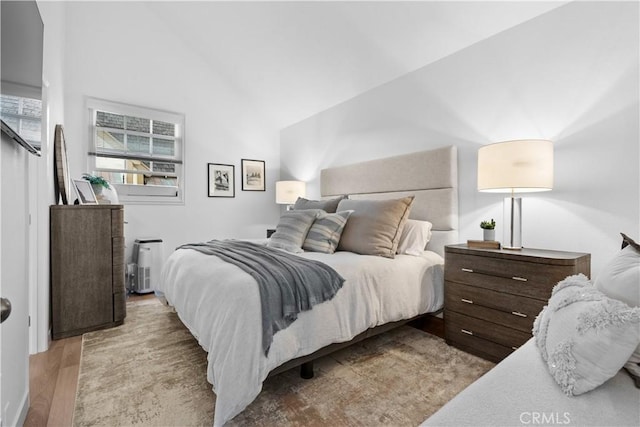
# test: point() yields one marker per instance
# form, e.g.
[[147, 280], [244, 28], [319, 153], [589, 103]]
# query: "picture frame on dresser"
[[85, 193]]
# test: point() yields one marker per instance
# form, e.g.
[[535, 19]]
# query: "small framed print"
[[85, 193], [221, 180], [253, 175]]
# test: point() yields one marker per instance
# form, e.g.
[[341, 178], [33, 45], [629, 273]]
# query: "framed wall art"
[[253, 175], [221, 180]]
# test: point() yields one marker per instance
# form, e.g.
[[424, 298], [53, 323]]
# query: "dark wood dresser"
[[492, 296], [87, 268]]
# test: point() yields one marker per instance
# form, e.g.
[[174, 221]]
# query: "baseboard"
[[21, 415]]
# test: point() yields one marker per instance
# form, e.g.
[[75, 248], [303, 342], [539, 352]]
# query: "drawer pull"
[[515, 348], [467, 270], [519, 279], [517, 313], [468, 301], [464, 331]]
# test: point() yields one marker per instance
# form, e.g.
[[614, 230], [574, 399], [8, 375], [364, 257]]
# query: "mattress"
[[220, 305], [520, 391]]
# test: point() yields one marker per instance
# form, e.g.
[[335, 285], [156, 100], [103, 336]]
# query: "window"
[[23, 115], [138, 150]]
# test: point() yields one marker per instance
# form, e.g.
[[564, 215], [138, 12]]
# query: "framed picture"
[[253, 175], [85, 193], [222, 180]]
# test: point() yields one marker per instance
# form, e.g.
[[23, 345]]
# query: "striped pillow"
[[292, 230], [325, 232]]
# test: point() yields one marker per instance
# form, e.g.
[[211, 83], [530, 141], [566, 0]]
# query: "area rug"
[[152, 372]]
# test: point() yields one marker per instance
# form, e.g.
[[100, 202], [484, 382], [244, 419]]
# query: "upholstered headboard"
[[431, 176]]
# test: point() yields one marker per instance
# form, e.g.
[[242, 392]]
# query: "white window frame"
[[141, 194]]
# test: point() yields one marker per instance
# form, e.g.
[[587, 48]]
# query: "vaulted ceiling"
[[295, 59]]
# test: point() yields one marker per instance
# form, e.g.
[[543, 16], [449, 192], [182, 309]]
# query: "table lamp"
[[522, 166], [287, 192]]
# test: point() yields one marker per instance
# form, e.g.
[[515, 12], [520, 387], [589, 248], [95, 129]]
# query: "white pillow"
[[620, 279], [584, 336], [414, 237]]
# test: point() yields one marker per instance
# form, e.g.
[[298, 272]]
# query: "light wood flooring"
[[53, 380]]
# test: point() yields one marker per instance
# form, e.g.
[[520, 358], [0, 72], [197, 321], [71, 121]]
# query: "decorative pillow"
[[325, 232], [414, 238], [292, 229], [620, 279], [375, 226], [584, 336], [329, 205]]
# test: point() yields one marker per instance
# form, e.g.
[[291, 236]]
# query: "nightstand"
[[492, 296]]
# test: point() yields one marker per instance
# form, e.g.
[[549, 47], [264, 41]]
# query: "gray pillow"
[[329, 205], [292, 229], [375, 226], [584, 336], [325, 232]]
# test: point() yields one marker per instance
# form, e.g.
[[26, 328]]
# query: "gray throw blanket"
[[288, 284]]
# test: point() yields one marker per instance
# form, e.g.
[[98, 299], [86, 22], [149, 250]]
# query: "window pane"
[[160, 180], [138, 144], [164, 167], [31, 130], [163, 128], [10, 104], [12, 122], [165, 147], [109, 140], [32, 107], [109, 120], [137, 124]]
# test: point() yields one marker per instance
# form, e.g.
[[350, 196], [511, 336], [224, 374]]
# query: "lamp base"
[[513, 223]]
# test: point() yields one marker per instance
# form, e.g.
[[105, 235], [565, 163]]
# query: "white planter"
[[488, 235]]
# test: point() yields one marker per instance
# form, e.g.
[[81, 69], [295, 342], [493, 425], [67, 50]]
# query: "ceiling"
[[295, 59]]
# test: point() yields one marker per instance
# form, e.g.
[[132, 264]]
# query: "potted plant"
[[488, 230], [97, 182]]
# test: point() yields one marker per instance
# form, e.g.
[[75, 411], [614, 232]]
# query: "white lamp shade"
[[287, 192], [521, 166]]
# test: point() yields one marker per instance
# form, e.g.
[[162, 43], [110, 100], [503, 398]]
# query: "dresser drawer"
[[475, 345], [505, 309], [461, 324], [515, 277]]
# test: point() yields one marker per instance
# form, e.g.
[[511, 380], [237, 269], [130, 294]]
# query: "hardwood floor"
[[53, 380]]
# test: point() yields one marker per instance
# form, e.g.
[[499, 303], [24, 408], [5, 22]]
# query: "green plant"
[[96, 180], [488, 225]]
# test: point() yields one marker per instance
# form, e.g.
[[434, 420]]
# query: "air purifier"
[[147, 260]]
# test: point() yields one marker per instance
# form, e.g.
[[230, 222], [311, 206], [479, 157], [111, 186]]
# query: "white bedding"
[[520, 391], [220, 305]]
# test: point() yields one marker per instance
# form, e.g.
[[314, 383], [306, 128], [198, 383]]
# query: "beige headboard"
[[431, 176]]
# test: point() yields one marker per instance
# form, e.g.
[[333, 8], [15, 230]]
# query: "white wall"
[[123, 52], [53, 17], [570, 75]]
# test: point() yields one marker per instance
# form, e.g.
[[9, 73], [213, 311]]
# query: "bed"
[[378, 292]]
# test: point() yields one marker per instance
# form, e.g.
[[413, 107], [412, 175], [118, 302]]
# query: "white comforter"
[[220, 305]]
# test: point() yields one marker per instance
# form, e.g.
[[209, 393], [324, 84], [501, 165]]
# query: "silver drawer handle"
[[515, 348], [467, 270], [519, 279], [468, 301], [517, 313], [464, 331]]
